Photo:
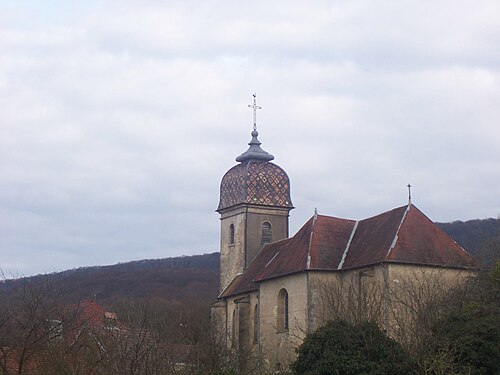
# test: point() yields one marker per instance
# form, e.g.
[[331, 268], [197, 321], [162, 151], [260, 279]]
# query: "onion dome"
[[255, 180]]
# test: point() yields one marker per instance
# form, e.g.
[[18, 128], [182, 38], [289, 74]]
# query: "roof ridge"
[[341, 263], [395, 240]]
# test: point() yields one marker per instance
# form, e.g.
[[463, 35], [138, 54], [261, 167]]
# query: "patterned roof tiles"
[[255, 182]]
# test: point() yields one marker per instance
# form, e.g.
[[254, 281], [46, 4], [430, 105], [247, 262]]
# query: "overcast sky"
[[119, 118]]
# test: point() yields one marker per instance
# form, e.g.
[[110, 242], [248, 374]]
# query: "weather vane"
[[255, 108], [409, 193]]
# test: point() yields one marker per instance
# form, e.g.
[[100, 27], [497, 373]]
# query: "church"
[[275, 289]]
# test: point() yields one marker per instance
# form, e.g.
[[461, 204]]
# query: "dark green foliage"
[[472, 340], [470, 331], [343, 348]]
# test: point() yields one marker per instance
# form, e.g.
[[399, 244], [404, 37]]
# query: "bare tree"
[[415, 302], [341, 298], [32, 321], [405, 307]]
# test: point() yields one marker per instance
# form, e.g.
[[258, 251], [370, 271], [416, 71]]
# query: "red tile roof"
[[373, 238], [90, 312], [423, 242], [91, 315], [402, 235], [244, 282], [329, 240]]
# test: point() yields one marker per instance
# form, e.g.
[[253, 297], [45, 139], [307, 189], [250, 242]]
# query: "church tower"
[[254, 208]]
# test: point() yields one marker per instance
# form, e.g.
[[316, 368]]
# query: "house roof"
[[402, 235], [91, 314]]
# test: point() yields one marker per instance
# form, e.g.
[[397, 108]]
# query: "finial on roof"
[[409, 193], [255, 108], [315, 214], [254, 152]]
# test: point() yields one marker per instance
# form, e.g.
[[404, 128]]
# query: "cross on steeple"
[[255, 108], [409, 193]]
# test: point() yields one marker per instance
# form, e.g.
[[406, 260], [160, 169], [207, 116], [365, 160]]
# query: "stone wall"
[[232, 257], [247, 221], [383, 293], [240, 322], [256, 216], [278, 348]]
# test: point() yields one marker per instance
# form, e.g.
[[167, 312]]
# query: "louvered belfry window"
[[267, 233]]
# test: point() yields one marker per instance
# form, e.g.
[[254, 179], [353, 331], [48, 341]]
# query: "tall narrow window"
[[256, 324], [267, 233], [233, 333], [231, 234], [282, 323]]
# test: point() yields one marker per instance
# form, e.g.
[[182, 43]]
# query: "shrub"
[[343, 348]]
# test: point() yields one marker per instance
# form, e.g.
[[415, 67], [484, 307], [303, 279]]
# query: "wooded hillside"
[[187, 278], [481, 238], [196, 278]]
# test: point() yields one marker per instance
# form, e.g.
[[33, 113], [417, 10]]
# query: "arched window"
[[231, 234], [267, 233], [282, 311], [256, 324], [233, 330]]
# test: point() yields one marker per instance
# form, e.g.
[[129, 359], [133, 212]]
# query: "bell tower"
[[254, 208]]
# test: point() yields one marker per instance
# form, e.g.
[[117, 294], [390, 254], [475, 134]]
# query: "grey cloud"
[[119, 120]]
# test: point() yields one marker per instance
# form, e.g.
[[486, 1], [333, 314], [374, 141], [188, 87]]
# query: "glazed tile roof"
[[255, 182], [402, 235]]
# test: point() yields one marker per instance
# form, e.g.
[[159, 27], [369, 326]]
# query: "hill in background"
[[195, 279], [481, 238], [182, 279]]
